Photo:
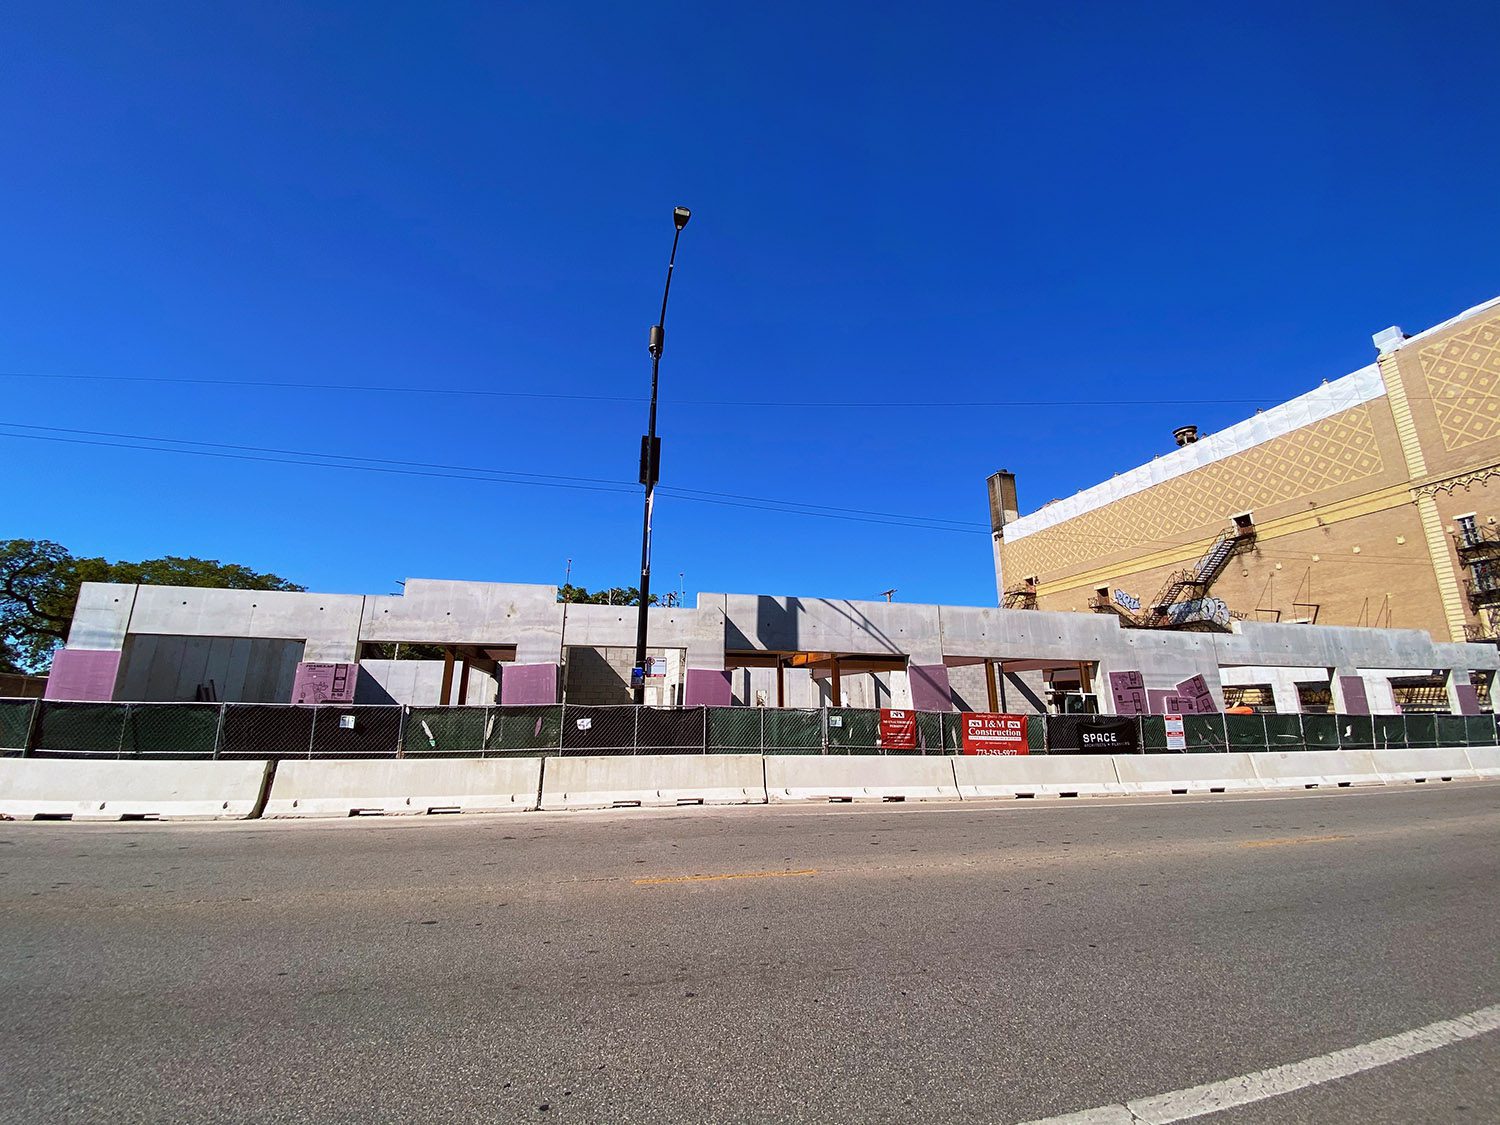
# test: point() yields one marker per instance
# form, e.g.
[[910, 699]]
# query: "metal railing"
[[52, 728]]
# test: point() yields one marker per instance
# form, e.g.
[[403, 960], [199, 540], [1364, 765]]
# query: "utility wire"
[[551, 396], [458, 472], [508, 474]]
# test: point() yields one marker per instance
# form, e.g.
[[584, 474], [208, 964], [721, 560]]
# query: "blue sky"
[[1174, 214]]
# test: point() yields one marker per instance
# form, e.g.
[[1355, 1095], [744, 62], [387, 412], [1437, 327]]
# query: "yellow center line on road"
[[716, 878], [1287, 841]]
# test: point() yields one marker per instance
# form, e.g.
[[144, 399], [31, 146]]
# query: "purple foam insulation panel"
[[1196, 688], [930, 690], [83, 674], [528, 684], [1158, 701], [1355, 700], [707, 687], [1468, 699], [324, 683], [1129, 690]]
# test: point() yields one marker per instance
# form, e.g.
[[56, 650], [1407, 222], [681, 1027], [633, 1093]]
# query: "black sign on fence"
[[1106, 736], [1093, 734]]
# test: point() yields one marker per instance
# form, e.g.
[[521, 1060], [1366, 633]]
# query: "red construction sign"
[[989, 733], [898, 729]]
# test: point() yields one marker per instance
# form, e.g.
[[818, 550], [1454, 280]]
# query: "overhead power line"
[[780, 404], [357, 463]]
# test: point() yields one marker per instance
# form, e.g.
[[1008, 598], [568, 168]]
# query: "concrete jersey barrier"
[[89, 789], [1440, 764], [1035, 775], [1186, 773], [863, 777], [1308, 769], [653, 781], [1485, 760], [389, 786]]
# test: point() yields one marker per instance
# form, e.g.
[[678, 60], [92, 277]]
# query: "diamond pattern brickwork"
[[1327, 454], [1463, 373]]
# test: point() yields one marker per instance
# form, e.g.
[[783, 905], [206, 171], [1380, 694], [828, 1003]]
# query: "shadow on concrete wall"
[[593, 680], [367, 689]]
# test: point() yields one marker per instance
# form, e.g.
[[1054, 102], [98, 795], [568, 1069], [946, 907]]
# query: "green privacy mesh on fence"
[[1205, 733], [15, 723], [1154, 734], [735, 730], [1388, 731], [92, 729], [171, 730], [1356, 732], [521, 730], [1421, 730], [1283, 732], [190, 730], [444, 731], [1036, 733], [793, 731], [1320, 732], [853, 732], [1452, 730], [1244, 733]]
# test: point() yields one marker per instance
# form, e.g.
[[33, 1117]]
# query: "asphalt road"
[[994, 962]]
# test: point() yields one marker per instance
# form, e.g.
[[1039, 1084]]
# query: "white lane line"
[[1180, 1105]]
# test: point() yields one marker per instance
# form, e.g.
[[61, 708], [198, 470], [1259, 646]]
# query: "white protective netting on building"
[[1332, 398]]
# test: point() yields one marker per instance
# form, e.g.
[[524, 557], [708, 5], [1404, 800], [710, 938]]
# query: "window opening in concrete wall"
[[1258, 697], [422, 673], [1315, 698], [1421, 695]]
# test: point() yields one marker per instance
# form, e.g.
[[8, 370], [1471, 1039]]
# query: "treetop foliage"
[[39, 583]]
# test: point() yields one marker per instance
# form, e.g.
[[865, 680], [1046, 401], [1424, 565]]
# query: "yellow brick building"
[[1371, 500]]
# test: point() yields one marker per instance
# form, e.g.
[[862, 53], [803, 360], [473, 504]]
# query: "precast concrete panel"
[[101, 618], [328, 623]]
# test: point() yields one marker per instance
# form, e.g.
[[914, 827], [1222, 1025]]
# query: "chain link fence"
[[54, 728]]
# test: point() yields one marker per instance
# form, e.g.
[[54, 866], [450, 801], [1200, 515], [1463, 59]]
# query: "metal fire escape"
[[1188, 586], [1479, 550], [1021, 596]]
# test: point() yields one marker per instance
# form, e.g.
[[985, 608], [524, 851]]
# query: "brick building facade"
[[1372, 500]]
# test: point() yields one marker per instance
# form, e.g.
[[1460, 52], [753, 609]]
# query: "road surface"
[[1001, 961]]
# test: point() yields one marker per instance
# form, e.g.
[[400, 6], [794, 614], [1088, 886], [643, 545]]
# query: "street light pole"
[[651, 466]]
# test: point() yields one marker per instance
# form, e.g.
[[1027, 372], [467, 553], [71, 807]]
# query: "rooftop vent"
[[1185, 435]]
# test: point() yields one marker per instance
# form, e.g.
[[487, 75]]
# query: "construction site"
[[1338, 553]]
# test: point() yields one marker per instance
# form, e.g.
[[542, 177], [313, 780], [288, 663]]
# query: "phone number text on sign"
[[988, 733]]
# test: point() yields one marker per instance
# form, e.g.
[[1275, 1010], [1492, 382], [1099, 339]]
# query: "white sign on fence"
[[1176, 738]]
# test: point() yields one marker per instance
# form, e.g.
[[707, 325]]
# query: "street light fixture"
[[651, 466]]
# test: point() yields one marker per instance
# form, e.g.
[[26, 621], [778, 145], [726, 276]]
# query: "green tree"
[[39, 583], [615, 595]]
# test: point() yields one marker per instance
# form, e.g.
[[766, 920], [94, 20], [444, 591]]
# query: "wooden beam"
[[838, 697], [989, 683], [780, 684], [447, 693], [463, 683], [805, 659]]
